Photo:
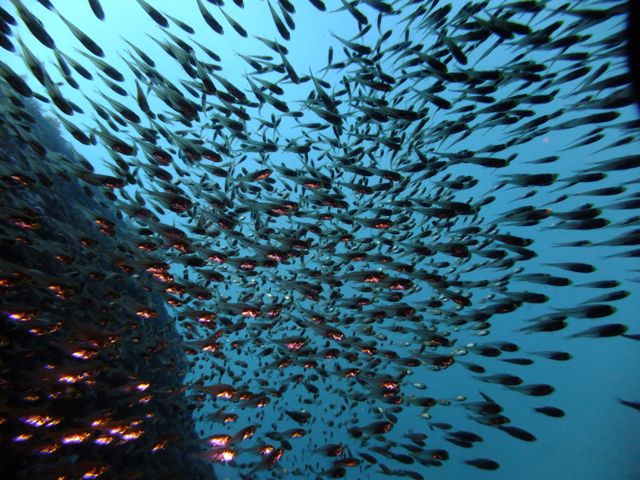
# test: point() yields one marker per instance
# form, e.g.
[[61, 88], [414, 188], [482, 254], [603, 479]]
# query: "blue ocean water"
[[598, 436]]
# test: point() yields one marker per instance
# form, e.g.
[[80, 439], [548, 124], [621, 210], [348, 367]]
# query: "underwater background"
[[318, 239]]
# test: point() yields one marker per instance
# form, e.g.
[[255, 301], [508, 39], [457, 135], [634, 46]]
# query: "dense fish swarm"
[[291, 264]]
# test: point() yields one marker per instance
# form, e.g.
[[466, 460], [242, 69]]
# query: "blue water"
[[598, 437]]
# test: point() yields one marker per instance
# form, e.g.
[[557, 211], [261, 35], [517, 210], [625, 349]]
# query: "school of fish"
[[319, 265]]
